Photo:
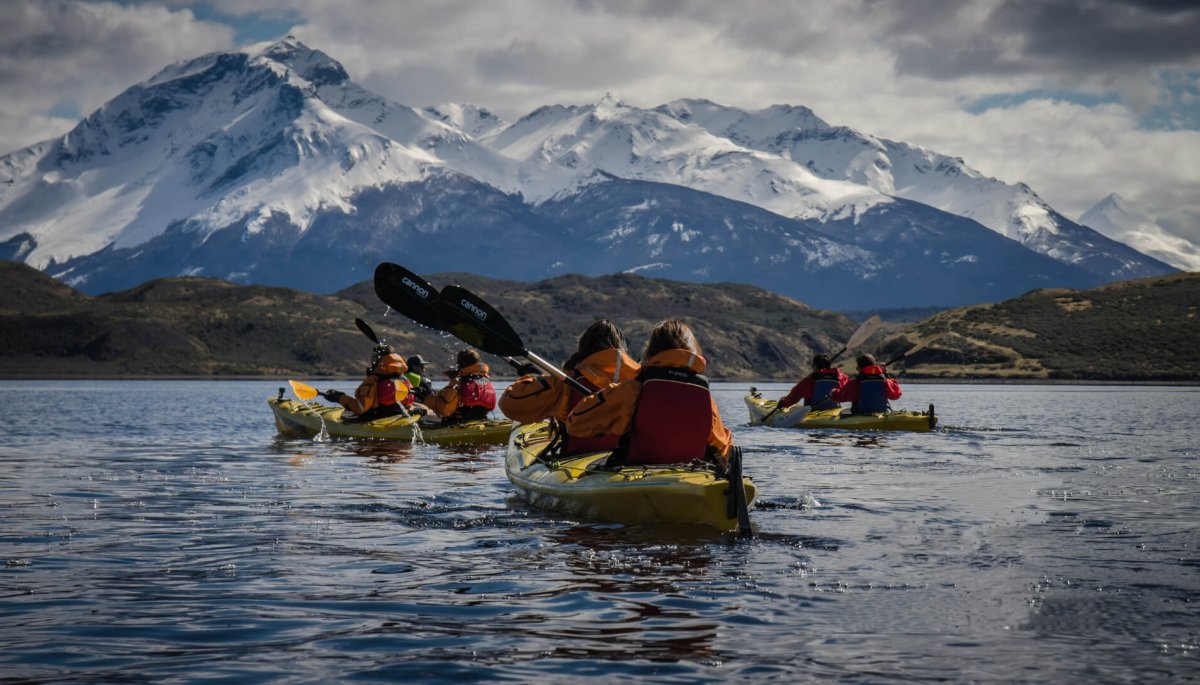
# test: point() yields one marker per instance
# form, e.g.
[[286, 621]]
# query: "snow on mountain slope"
[[1119, 219], [226, 136], [913, 173], [476, 122], [613, 138], [207, 142]]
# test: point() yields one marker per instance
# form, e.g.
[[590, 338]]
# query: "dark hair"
[[822, 361], [671, 334], [601, 335], [466, 358], [865, 360]]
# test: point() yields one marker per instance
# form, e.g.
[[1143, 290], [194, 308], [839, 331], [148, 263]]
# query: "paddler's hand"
[[333, 395]]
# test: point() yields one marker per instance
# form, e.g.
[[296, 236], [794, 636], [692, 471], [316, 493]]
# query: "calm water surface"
[[162, 531]]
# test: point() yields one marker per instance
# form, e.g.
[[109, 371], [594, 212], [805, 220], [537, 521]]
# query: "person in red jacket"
[[869, 392], [469, 396], [817, 388]]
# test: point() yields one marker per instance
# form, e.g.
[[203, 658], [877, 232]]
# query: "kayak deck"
[[803, 417], [304, 420], [578, 485]]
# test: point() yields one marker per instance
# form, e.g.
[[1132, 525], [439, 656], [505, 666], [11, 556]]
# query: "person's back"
[[818, 388], [664, 415], [600, 360], [870, 390], [384, 392], [469, 395]]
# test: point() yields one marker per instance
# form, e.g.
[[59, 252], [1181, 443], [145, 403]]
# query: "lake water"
[[163, 532]]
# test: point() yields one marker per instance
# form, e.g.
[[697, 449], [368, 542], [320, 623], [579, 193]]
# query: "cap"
[[416, 360]]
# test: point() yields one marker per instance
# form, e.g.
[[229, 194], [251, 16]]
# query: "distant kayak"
[[580, 485], [303, 420], [802, 417]]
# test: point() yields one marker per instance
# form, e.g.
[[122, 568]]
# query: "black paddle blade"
[[407, 293], [476, 323], [366, 330]]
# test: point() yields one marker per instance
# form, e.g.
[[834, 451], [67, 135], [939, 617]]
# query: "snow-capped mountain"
[[611, 137], [1119, 219], [913, 173], [276, 168]]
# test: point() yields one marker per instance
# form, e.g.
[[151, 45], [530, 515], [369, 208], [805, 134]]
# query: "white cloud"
[[58, 55], [904, 71]]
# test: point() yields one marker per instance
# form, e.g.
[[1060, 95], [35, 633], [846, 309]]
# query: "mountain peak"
[[607, 106], [311, 65]]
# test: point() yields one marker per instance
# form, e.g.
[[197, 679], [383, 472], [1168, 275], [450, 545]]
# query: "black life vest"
[[825, 381], [872, 395], [672, 420]]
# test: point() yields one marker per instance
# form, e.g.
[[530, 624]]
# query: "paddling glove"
[[333, 395], [528, 369]]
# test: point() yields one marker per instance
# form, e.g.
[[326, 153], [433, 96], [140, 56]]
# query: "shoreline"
[[509, 379]]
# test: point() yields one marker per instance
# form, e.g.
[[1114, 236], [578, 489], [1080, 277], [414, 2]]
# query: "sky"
[[1076, 98]]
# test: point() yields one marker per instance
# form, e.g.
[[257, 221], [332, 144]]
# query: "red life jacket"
[[673, 418], [385, 392], [477, 391]]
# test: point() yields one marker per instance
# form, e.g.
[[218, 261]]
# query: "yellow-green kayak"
[[801, 417], [303, 420], [631, 494]]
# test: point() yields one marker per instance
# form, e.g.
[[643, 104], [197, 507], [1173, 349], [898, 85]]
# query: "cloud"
[[902, 70], [69, 57]]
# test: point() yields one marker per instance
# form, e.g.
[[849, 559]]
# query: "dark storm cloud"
[[1055, 37]]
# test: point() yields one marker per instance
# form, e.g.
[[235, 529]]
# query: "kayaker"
[[375, 397], [469, 396], [599, 361], [421, 384], [871, 389], [818, 386], [666, 414]]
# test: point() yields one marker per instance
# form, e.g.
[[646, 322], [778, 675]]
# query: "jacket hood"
[[679, 359], [607, 367]]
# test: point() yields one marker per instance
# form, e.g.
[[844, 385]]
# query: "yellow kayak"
[[631, 494], [304, 420], [802, 417]]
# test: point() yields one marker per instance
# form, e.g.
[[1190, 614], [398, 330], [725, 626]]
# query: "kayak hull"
[[630, 495], [303, 420], [802, 417]]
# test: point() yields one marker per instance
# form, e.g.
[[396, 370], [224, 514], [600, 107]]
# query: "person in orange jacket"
[[600, 361], [870, 390], [666, 415], [376, 396], [469, 395]]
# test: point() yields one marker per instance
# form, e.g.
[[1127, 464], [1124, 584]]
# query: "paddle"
[[919, 346], [860, 335], [366, 330], [408, 294], [738, 506], [304, 392], [307, 392], [472, 320], [412, 296]]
